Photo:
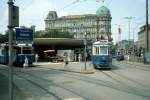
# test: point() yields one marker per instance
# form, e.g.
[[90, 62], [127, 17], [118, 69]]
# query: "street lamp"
[[85, 43], [147, 34], [97, 27], [129, 22]]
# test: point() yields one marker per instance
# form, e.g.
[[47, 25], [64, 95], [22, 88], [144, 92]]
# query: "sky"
[[33, 12]]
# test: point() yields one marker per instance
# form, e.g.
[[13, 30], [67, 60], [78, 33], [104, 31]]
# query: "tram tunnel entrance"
[[51, 49]]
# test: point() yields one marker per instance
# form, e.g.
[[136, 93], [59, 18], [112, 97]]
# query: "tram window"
[[97, 50], [18, 50], [2, 52], [26, 51], [103, 50]]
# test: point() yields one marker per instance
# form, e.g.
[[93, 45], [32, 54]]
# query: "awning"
[[46, 51]]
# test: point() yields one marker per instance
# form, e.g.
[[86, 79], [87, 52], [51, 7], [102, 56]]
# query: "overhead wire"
[[109, 3], [77, 1]]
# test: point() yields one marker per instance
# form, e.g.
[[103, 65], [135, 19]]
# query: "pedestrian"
[[65, 59], [79, 57], [36, 57], [26, 63], [128, 57]]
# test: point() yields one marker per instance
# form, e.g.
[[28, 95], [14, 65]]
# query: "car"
[[120, 57]]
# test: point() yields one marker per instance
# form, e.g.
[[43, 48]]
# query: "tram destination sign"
[[23, 34]]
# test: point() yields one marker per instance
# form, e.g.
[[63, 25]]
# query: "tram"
[[19, 52], [101, 57]]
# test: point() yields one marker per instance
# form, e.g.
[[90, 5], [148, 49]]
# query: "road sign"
[[23, 34]]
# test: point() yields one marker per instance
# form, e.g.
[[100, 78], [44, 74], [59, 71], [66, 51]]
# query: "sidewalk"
[[138, 64], [134, 60], [76, 67], [3, 87], [4, 81]]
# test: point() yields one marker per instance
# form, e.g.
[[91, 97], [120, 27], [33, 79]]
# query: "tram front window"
[[26, 51], [103, 50]]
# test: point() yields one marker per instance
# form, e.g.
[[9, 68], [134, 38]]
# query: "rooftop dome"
[[103, 11]]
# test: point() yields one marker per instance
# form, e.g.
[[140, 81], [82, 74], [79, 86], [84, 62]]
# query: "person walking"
[[36, 57], [79, 57], [26, 62], [65, 59]]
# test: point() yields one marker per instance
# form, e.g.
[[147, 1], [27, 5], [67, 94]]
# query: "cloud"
[[4, 21], [62, 13], [31, 12], [35, 13]]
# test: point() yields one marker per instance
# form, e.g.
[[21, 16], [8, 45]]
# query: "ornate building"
[[142, 38], [92, 24]]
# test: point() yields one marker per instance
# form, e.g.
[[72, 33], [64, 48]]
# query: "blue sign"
[[23, 34]]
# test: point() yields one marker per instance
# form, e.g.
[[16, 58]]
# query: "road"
[[46, 82]]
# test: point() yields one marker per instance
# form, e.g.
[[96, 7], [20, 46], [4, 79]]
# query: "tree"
[[4, 37], [52, 34], [38, 34]]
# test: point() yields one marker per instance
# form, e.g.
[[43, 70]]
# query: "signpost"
[[13, 21], [23, 34]]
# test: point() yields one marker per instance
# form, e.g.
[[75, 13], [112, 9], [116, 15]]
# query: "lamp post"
[[147, 34], [13, 21], [129, 24], [97, 27], [10, 27], [133, 37], [85, 43]]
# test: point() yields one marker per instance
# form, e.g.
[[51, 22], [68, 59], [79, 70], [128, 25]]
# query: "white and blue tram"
[[101, 57], [20, 51]]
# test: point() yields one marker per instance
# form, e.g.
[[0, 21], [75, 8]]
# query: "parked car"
[[147, 57], [120, 57]]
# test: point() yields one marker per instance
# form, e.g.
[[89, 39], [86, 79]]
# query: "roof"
[[103, 11], [58, 42], [102, 42]]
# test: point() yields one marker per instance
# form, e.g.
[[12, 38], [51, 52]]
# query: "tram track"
[[36, 83], [132, 80], [127, 78], [122, 88], [131, 89], [135, 66], [136, 82]]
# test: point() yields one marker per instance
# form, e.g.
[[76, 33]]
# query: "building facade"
[[125, 46], [91, 24], [142, 37]]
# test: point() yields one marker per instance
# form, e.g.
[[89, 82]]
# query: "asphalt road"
[[123, 82]]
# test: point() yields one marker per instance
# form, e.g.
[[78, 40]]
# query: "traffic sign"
[[23, 34]]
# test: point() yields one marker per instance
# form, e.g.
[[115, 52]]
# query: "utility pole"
[[10, 7], [129, 24], [97, 27], [85, 53], [13, 21], [147, 35]]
